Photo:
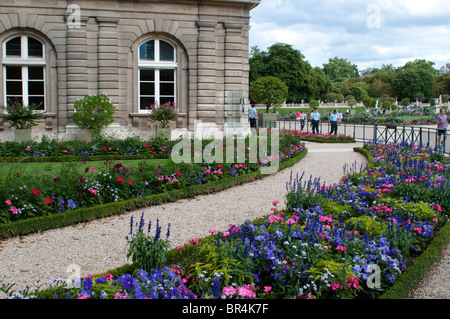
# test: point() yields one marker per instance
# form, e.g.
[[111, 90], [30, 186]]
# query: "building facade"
[[191, 52]]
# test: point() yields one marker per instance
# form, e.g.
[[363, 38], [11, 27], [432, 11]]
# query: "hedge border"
[[68, 158], [42, 223], [418, 270]]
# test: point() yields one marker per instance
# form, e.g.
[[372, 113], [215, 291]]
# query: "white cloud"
[[323, 29]]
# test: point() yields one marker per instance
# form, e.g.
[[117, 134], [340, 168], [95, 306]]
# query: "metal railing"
[[374, 133]]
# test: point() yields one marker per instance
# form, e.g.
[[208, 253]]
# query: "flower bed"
[[53, 150], [323, 138], [353, 239], [27, 197]]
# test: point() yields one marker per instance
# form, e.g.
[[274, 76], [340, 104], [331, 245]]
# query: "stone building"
[[191, 52]]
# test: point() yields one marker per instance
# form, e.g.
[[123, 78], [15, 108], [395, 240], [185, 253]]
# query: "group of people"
[[334, 118]]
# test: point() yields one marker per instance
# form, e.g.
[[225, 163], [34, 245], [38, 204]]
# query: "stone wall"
[[94, 51]]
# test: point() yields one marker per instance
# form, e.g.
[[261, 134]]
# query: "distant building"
[[365, 72], [445, 69], [191, 52]]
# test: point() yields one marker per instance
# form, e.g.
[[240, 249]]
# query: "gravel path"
[[100, 245]]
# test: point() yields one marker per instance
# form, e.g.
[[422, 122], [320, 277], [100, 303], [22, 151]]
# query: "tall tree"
[[289, 65], [340, 69]]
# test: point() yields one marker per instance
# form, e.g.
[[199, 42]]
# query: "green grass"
[[50, 168]]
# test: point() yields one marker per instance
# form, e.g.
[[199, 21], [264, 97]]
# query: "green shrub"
[[94, 112]]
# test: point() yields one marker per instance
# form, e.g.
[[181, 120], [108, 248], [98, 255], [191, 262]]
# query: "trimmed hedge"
[[24, 227], [90, 158]]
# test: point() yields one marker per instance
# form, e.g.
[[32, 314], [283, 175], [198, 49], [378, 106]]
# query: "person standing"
[[252, 115], [303, 118], [315, 118], [333, 122], [442, 124]]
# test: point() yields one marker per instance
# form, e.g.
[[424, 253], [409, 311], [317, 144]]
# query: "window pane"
[[14, 88], [37, 100], [167, 75], [166, 51], [13, 47], [14, 73], [147, 51], [167, 88], [35, 73], [35, 48], [147, 102], [147, 89], [13, 100], [166, 99], [147, 75], [36, 88]]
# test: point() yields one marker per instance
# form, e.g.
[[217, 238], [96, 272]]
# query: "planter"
[[22, 135]]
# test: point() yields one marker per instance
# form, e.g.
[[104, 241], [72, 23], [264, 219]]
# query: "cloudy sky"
[[369, 33]]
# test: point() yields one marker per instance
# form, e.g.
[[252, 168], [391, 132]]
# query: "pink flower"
[[335, 285], [226, 234], [228, 291], [212, 230], [14, 210], [267, 288], [8, 202], [93, 192], [341, 248], [180, 248], [83, 296], [275, 202], [193, 241]]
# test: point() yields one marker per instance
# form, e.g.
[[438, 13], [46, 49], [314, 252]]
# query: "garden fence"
[[373, 133]]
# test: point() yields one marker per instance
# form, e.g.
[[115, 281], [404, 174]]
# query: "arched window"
[[23, 62], [157, 73]]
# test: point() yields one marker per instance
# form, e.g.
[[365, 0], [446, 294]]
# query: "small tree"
[[94, 112], [269, 90], [163, 114], [405, 101], [352, 103]]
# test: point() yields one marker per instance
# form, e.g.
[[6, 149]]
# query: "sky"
[[368, 33]]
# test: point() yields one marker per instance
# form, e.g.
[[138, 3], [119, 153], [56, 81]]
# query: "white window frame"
[[156, 65], [24, 61]]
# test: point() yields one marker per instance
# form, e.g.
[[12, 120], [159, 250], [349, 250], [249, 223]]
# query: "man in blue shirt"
[[333, 122], [252, 114], [315, 118]]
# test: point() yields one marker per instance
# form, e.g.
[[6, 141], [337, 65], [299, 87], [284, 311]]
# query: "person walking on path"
[[252, 115], [302, 118], [333, 122], [315, 118], [442, 124]]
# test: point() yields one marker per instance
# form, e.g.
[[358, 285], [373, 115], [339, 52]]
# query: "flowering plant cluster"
[[308, 136], [352, 241], [96, 147], [163, 114], [28, 196]]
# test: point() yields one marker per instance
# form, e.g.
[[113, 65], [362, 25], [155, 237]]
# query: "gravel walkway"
[[100, 245]]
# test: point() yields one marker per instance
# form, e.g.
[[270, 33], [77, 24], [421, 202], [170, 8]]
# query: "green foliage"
[[366, 225], [20, 116], [146, 251], [94, 112], [338, 69], [163, 114], [269, 91]]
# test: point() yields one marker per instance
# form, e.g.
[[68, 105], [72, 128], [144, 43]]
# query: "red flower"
[[177, 173], [120, 179], [36, 192], [130, 182], [47, 201]]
